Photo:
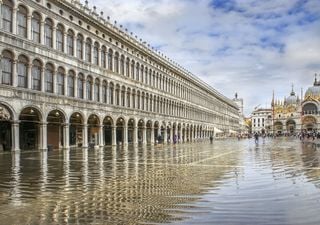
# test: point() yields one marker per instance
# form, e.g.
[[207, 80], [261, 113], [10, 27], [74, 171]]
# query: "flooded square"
[[228, 182]]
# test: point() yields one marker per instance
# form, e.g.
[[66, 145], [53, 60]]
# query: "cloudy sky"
[[247, 46]]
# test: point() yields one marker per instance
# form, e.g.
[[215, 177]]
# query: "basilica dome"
[[313, 91], [291, 100]]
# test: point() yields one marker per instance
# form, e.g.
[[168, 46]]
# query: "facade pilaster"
[[114, 135], [43, 137], [135, 135], [14, 20], [66, 141], [165, 136], [42, 80], [125, 135], [14, 74], [54, 37], [85, 136], [152, 135], [74, 46], [42, 32], [29, 76], [29, 26], [144, 135], [101, 142], [65, 42], [15, 136]]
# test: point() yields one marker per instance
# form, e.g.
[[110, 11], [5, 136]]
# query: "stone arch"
[[31, 118], [6, 119], [76, 132], [120, 130], [55, 133]]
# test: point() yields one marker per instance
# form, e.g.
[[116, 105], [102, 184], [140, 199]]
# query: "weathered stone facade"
[[70, 78]]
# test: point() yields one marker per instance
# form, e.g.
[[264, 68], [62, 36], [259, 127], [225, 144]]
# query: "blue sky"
[[247, 46]]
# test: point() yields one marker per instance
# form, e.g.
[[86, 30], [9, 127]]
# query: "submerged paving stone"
[[228, 182]]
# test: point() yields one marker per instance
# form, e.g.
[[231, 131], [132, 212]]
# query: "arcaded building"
[[71, 78]]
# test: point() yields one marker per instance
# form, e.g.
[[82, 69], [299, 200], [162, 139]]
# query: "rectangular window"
[[6, 18], [60, 86], [49, 82], [70, 86], [35, 30], [22, 25], [36, 79], [70, 45], [22, 75], [48, 36], [6, 71], [79, 49], [59, 41]]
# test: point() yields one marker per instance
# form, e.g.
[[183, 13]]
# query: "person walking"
[[256, 138], [211, 139]]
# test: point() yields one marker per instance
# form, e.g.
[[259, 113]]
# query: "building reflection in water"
[[15, 193]]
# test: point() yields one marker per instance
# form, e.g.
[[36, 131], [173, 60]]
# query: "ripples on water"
[[229, 182]]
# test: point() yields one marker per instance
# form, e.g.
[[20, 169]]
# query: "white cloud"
[[249, 46]]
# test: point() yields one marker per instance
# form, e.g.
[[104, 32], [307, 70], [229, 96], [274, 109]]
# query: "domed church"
[[287, 114], [310, 116]]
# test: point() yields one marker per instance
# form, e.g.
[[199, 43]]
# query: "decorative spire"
[[292, 91], [236, 95], [315, 80]]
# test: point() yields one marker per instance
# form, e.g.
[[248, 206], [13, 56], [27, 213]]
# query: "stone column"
[[114, 135], [144, 135], [15, 136], [55, 81], [14, 74], [152, 135], [125, 135], [65, 42], [1, 11], [54, 36], [29, 26], [66, 134], [29, 76], [43, 137], [171, 135], [14, 20], [99, 57], [75, 93], [135, 135], [42, 80], [42, 32], [101, 142], [65, 81], [165, 136], [75, 46], [85, 136]]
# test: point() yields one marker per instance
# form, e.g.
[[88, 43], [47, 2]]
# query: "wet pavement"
[[227, 182]]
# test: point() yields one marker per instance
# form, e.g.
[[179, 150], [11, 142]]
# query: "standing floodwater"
[[227, 182]]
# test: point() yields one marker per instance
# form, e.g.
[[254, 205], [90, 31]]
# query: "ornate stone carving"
[[4, 114]]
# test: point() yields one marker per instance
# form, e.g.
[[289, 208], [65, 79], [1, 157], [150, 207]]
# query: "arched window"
[[36, 75], [80, 46], [150, 76], [104, 57], [60, 81], [127, 67], [116, 62], [22, 21], [96, 53], [48, 33], [147, 102], [88, 50], [22, 71], [111, 89], [80, 83], [70, 38], [7, 7], [146, 75], [132, 69], [104, 92], [142, 101], [110, 63], [97, 90], [89, 88], [35, 27], [6, 64], [71, 76], [60, 38], [137, 72], [49, 77]]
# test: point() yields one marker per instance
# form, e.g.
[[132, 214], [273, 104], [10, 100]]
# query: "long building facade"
[[70, 78]]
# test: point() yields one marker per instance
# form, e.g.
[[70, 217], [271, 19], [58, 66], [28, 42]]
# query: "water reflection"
[[226, 183]]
